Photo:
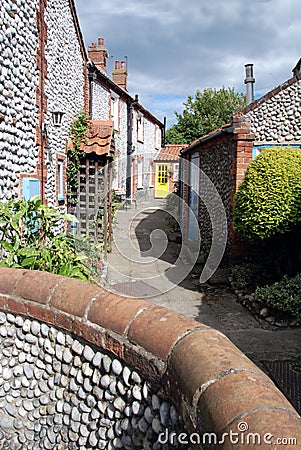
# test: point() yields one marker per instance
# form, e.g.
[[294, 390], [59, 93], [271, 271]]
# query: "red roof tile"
[[99, 137], [170, 153]]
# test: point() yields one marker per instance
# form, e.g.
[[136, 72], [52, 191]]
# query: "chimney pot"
[[98, 54], [249, 82], [119, 74]]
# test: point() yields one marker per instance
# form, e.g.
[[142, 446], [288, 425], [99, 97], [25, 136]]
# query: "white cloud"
[[176, 47]]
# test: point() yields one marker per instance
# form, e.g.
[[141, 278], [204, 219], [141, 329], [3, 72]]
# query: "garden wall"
[[85, 368]]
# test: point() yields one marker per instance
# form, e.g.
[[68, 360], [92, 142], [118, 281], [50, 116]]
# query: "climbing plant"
[[77, 135]]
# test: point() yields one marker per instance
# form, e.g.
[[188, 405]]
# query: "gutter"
[[228, 129], [122, 92]]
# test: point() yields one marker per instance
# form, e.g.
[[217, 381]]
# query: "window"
[[157, 137], [139, 174], [151, 174], [176, 172], [140, 128], [60, 180], [115, 111]]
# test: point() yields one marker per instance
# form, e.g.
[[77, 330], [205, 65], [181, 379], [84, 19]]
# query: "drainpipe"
[[249, 82], [130, 105], [164, 133], [92, 76]]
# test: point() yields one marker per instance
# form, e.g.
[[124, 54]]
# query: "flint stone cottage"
[[223, 155], [46, 79]]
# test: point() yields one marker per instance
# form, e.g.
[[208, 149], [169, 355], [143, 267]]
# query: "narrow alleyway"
[[145, 264]]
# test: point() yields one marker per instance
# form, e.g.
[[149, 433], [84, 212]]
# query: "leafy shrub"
[[29, 238], [247, 276], [268, 201], [283, 296]]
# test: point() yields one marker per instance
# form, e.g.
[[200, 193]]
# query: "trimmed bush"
[[268, 201], [283, 296]]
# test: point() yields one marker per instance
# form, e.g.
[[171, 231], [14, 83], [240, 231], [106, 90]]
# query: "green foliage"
[[246, 276], [29, 239], [78, 136], [268, 201], [205, 112], [283, 296]]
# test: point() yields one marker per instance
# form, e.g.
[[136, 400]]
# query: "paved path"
[[143, 264]]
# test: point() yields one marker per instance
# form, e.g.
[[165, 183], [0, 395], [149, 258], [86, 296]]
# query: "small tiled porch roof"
[[169, 153], [99, 138]]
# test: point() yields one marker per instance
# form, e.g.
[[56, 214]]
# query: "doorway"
[[162, 185]]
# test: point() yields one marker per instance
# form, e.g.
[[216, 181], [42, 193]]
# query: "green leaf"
[[7, 246], [28, 262], [28, 252]]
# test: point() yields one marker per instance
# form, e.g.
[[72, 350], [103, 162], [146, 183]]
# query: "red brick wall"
[[41, 100]]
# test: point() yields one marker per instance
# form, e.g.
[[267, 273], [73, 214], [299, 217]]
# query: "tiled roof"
[[170, 153], [99, 137]]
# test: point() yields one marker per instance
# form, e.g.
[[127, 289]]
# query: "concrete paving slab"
[[135, 272]]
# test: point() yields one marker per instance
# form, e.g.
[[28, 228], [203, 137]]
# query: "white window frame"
[[176, 167], [157, 137], [139, 174], [151, 173], [115, 110], [60, 180]]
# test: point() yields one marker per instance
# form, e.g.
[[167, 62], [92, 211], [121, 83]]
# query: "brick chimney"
[[120, 74], [98, 55]]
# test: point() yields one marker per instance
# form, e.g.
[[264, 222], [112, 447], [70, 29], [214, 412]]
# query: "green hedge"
[[283, 296], [268, 201]]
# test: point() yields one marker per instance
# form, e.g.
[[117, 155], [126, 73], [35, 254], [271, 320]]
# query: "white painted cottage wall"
[[147, 149], [18, 83], [121, 138], [64, 85]]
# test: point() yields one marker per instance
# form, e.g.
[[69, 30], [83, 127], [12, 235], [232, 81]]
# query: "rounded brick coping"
[[212, 382]]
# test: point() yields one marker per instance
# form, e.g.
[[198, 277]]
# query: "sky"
[[174, 47]]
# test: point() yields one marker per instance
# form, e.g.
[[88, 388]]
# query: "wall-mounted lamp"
[[57, 117], [44, 129]]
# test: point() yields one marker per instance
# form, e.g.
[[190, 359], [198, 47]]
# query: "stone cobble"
[[57, 392]]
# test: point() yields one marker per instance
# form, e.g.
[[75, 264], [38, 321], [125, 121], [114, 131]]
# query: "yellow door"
[[161, 180]]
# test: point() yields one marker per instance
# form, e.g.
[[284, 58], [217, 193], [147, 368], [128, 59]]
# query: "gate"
[[93, 207]]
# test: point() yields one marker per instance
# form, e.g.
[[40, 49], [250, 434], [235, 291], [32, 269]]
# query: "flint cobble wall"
[[64, 83], [89, 340], [18, 84], [275, 117], [216, 161]]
